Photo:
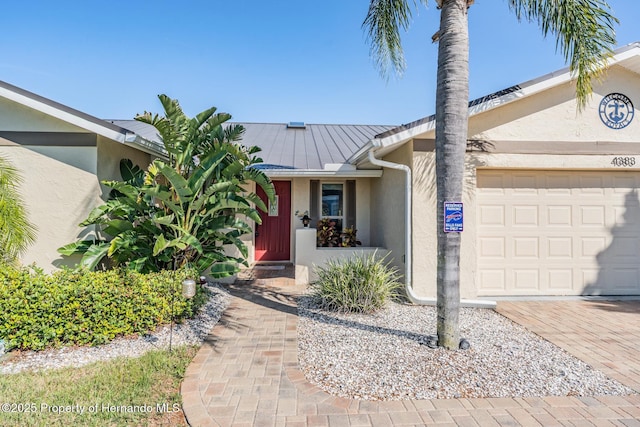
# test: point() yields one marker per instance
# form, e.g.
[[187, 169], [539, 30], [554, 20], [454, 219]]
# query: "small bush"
[[362, 284], [39, 310]]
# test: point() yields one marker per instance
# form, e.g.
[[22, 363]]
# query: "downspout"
[[408, 244]]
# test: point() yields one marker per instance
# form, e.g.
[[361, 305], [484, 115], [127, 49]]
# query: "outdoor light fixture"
[[188, 288], [188, 292], [306, 220]]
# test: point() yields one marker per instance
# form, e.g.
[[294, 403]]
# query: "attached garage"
[[546, 232], [551, 203]]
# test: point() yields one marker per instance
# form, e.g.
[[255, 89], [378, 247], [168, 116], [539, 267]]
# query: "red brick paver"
[[246, 373]]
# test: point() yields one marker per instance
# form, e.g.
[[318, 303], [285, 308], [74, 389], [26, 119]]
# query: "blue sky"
[[261, 61]]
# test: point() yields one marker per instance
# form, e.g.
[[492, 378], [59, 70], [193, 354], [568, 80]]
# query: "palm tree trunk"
[[452, 97]]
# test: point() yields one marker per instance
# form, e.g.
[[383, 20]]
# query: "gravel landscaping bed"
[[190, 332], [384, 356]]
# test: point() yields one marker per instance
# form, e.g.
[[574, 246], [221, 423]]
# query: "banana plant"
[[183, 211]]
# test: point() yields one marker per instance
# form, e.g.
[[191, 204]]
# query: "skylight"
[[296, 125]]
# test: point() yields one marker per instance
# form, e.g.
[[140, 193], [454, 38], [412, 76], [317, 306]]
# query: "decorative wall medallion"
[[616, 111]]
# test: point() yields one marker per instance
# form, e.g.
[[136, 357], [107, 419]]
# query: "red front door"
[[273, 236]]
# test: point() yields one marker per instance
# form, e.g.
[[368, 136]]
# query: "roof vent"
[[296, 125]]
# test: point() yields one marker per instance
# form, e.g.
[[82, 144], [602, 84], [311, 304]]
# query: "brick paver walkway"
[[246, 373]]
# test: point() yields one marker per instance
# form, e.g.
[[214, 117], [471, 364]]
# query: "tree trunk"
[[452, 98]]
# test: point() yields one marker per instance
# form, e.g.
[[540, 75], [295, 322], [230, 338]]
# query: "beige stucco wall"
[[548, 118], [17, 118], [109, 154], [388, 208], [552, 115], [425, 227], [58, 195]]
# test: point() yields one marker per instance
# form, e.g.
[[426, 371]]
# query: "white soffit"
[[322, 173]]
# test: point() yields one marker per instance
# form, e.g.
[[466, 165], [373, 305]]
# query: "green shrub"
[[362, 283], [39, 310]]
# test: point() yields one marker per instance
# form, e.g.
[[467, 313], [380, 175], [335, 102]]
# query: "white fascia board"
[[405, 135], [124, 136], [629, 51], [321, 173], [361, 153], [528, 88], [62, 115]]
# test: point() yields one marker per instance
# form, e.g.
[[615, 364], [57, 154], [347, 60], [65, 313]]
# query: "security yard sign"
[[452, 217]]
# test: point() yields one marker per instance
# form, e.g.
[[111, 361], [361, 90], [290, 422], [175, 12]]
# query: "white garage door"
[[558, 233]]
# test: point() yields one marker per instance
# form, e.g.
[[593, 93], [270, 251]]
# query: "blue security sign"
[[453, 217]]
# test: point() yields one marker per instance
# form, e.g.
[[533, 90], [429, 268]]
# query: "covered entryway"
[[273, 236], [544, 232]]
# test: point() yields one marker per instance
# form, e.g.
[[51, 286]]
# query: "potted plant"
[[348, 237], [327, 234]]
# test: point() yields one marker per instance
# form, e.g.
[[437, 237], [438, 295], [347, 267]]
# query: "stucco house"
[[551, 204], [62, 155]]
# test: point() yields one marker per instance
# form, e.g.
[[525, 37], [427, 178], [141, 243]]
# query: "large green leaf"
[[205, 170], [256, 200], [223, 269], [200, 119], [131, 173], [79, 247], [94, 255], [117, 226], [95, 215], [164, 220], [139, 264], [178, 183], [160, 245], [124, 188], [263, 181]]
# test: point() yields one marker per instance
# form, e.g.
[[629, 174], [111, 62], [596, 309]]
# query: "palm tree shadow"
[[309, 311], [619, 306], [277, 298], [614, 275]]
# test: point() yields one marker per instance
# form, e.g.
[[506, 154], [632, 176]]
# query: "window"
[[333, 203], [336, 200]]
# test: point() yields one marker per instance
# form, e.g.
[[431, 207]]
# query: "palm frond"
[[16, 232], [584, 31], [383, 23]]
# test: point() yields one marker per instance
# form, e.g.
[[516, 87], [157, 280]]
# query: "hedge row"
[[39, 310]]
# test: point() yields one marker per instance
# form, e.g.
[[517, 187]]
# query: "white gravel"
[[190, 332], [384, 356]]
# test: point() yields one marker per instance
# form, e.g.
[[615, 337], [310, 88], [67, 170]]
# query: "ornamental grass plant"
[[359, 284]]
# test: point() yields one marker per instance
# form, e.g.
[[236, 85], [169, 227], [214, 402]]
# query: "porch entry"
[[273, 236]]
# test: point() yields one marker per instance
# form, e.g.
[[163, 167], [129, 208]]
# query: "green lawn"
[[142, 391]]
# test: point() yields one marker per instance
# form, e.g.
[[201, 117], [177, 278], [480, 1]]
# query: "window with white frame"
[[332, 202]]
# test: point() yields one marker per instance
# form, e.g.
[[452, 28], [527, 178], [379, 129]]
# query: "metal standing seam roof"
[[310, 148], [145, 130]]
